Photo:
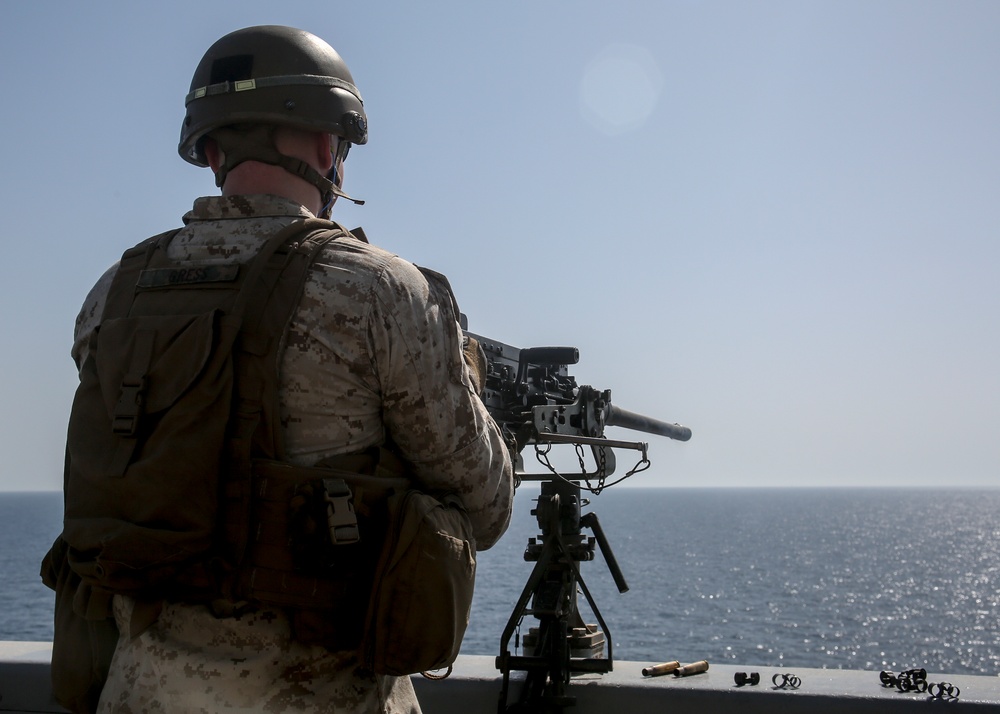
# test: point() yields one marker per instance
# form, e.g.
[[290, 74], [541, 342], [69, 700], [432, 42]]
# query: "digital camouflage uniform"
[[373, 350]]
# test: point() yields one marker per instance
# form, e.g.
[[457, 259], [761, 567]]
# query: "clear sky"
[[775, 222]]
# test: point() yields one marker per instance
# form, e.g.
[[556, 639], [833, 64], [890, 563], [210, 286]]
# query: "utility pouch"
[[294, 561], [85, 634], [423, 586]]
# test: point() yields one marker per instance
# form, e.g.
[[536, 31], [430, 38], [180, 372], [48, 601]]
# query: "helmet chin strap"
[[334, 178], [331, 195], [257, 144]]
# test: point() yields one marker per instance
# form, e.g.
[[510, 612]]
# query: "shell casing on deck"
[[693, 668], [657, 670]]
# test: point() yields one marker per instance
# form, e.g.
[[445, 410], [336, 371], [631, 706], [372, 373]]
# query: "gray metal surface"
[[474, 686]]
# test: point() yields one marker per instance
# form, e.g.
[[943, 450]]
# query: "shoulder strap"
[[269, 312], [255, 429]]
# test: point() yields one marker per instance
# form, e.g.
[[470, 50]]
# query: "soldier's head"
[[271, 94]]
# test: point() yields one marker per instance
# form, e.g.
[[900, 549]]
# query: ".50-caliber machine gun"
[[535, 401]]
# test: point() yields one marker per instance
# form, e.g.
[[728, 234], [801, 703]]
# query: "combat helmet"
[[271, 76]]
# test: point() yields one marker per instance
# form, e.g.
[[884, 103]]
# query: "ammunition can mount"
[[535, 401]]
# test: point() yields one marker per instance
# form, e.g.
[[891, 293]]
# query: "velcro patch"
[[168, 277]]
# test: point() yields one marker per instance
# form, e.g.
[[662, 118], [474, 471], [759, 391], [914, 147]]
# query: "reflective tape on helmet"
[[245, 85]]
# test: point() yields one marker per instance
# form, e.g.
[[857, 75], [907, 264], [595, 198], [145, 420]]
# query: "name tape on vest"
[[168, 277]]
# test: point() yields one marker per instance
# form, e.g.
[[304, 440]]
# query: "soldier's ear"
[[324, 155], [213, 154]]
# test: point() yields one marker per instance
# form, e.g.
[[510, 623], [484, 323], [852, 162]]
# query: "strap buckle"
[[340, 516], [129, 408]]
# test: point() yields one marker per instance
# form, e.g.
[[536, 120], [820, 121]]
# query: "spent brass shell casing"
[[693, 668], [657, 670]]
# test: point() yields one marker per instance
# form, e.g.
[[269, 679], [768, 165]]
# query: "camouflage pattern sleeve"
[[90, 316], [431, 411]]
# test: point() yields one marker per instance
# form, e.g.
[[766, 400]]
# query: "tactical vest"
[[176, 485]]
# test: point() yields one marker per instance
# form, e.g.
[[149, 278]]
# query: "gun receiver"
[[533, 398]]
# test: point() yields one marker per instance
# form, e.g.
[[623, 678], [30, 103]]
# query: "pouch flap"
[[180, 346]]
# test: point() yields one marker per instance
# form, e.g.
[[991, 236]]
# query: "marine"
[[363, 373]]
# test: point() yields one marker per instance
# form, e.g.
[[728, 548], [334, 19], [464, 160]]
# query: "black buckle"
[[129, 407], [340, 516]]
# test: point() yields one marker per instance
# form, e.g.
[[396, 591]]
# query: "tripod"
[[562, 644]]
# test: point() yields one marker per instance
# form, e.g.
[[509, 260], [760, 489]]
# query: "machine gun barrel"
[[637, 422]]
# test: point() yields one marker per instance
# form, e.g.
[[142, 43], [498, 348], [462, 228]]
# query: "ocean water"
[[851, 579], [29, 522]]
